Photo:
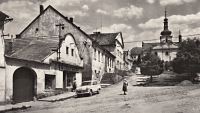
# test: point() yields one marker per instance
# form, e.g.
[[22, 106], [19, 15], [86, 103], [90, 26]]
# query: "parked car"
[[141, 79], [88, 87]]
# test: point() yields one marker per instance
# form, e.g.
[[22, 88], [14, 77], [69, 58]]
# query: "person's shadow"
[[121, 94]]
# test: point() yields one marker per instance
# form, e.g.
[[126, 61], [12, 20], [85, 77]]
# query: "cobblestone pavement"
[[166, 99]]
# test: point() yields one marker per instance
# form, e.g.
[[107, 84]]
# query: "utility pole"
[[61, 26]]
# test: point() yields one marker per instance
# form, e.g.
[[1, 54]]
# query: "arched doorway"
[[24, 80]]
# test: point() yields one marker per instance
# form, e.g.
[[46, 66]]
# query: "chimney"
[[97, 33], [71, 19], [18, 36], [66, 18], [41, 9]]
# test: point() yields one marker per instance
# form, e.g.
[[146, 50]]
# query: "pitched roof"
[[3, 16], [147, 46], [32, 49], [136, 51], [68, 22], [56, 11], [105, 39]]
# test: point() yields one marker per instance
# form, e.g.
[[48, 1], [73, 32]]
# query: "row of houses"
[[51, 52]]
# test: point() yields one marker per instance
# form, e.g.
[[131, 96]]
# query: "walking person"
[[124, 88], [74, 85]]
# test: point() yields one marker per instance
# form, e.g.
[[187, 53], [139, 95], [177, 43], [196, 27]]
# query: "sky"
[[138, 20]]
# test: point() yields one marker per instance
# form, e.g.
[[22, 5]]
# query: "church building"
[[166, 49]]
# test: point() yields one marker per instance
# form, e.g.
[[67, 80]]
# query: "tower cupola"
[[166, 30]]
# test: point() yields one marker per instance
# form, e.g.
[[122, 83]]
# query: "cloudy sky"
[[138, 20]]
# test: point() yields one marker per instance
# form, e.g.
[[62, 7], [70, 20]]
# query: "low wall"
[[111, 78]]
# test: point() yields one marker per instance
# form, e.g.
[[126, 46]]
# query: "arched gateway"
[[24, 80]]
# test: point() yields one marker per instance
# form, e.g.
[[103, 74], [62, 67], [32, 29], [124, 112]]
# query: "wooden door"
[[23, 85]]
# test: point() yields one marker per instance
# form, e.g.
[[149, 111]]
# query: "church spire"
[[166, 30]]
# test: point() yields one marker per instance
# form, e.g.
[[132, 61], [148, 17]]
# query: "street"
[[167, 99]]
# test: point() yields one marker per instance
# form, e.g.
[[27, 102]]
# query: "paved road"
[[170, 99]]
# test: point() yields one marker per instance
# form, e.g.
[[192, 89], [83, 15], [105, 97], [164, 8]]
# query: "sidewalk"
[[25, 105]]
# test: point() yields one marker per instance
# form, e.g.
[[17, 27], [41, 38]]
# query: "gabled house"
[[128, 60], [44, 25], [32, 67], [113, 42], [51, 23], [102, 62], [51, 52]]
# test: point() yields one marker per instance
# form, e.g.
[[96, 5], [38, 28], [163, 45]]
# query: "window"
[[72, 52], [166, 53], [112, 63], [156, 53], [67, 50], [117, 52], [95, 54], [49, 81], [108, 61], [102, 57], [99, 56], [118, 63], [94, 83]]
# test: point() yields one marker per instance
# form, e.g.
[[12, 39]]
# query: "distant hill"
[[136, 51]]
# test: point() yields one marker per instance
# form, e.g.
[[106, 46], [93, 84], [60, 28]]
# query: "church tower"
[[165, 34]]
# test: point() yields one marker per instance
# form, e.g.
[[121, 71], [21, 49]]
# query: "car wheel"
[[98, 91], [90, 93]]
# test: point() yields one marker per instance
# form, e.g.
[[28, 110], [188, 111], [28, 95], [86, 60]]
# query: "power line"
[[141, 41], [159, 39]]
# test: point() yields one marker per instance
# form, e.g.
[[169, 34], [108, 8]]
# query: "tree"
[[151, 65], [188, 58]]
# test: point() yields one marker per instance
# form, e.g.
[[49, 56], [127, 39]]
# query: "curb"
[[56, 100], [15, 108]]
